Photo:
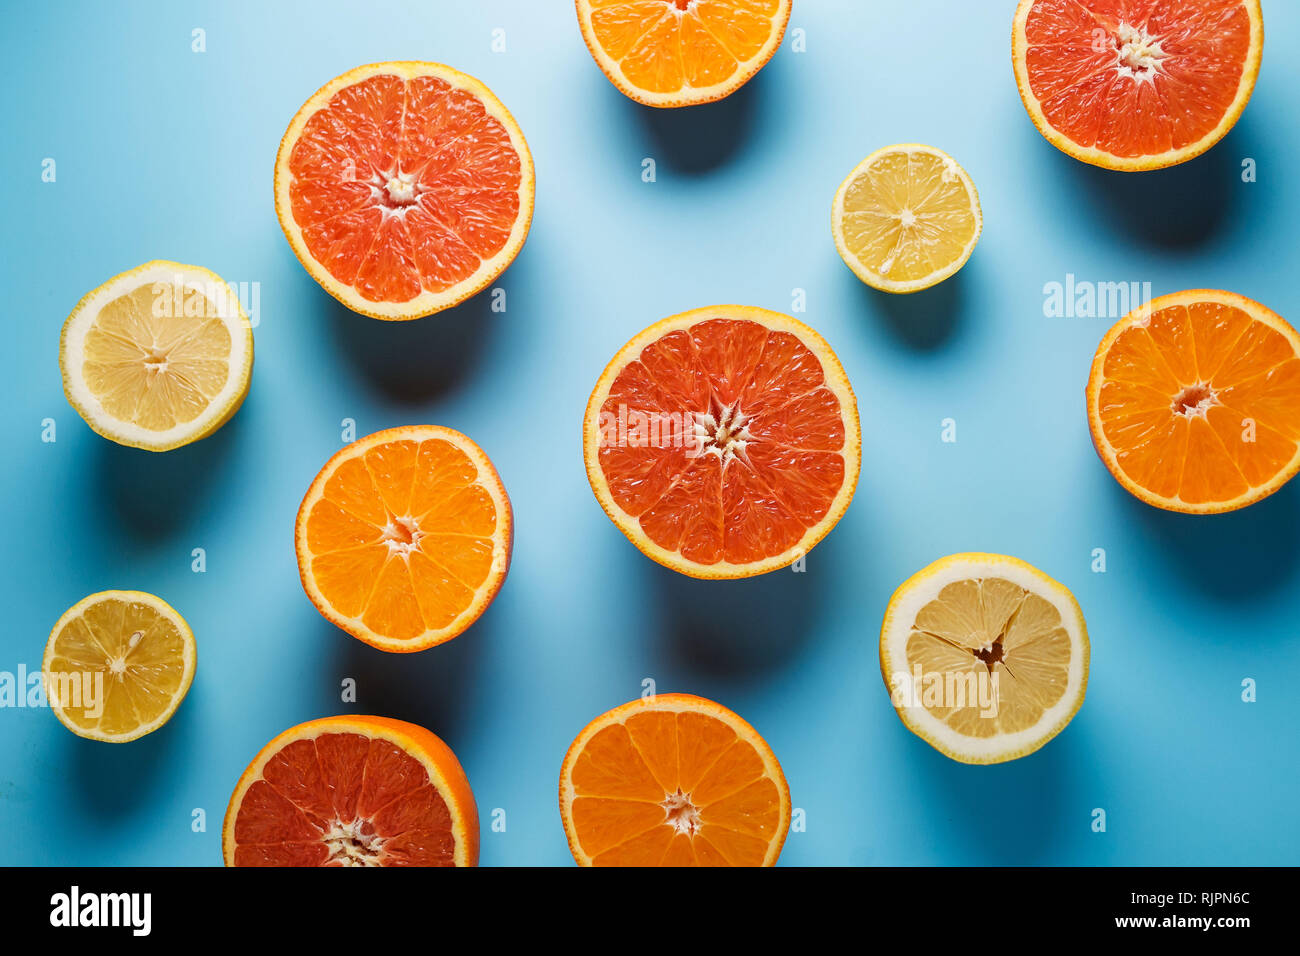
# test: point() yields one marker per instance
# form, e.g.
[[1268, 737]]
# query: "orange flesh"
[[756, 502], [403, 537], [1179, 396], [1158, 76], [453, 206], [665, 45], [673, 789], [343, 799]]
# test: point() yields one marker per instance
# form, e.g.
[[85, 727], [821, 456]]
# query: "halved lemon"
[[984, 656], [157, 357], [906, 218], [117, 665]]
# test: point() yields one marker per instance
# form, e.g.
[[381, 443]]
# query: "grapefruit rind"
[[1096, 379], [1107, 160], [688, 95], [677, 703], [189, 661], [503, 540], [445, 773], [220, 409], [427, 302], [835, 379], [870, 276], [924, 586]]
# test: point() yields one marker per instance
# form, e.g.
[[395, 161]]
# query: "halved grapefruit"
[[724, 442], [1136, 84], [352, 791], [1194, 401], [404, 188]]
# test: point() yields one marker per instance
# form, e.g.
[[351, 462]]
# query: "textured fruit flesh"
[[140, 655], [979, 629], [404, 185], [908, 215], [709, 506], [664, 788], [156, 356], [1136, 77], [343, 799], [403, 537], [1202, 403], [663, 46]]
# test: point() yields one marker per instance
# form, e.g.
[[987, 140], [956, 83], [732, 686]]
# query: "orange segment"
[[352, 791], [404, 188], [404, 538], [673, 780], [681, 52], [1136, 84], [1194, 401], [724, 442]]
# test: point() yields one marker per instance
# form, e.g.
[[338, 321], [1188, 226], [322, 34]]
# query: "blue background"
[[166, 153]]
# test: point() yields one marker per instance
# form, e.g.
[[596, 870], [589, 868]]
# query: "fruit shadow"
[[1180, 207], [1230, 557], [698, 139], [923, 320], [420, 360], [148, 496], [741, 629]]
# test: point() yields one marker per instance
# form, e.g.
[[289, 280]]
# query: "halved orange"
[[352, 791], [724, 442], [673, 780], [404, 188], [404, 538], [681, 52], [1194, 401], [1136, 84]]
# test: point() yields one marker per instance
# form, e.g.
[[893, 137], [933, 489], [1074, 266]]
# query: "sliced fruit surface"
[[404, 188], [352, 791], [681, 52], [673, 780], [157, 357], [405, 537], [117, 665], [1194, 401], [906, 218], [1136, 84], [724, 442], [985, 657]]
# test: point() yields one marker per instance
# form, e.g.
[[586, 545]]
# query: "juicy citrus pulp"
[[906, 218], [352, 791], [681, 52], [984, 656], [117, 665], [157, 357], [673, 780], [404, 188], [724, 442], [1136, 85], [404, 537], [1194, 401]]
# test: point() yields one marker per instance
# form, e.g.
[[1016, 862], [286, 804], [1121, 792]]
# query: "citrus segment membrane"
[[1194, 401], [724, 446], [681, 52], [673, 781], [1139, 84], [117, 665], [353, 792], [404, 537], [404, 188], [906, 218], [157, 357]]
